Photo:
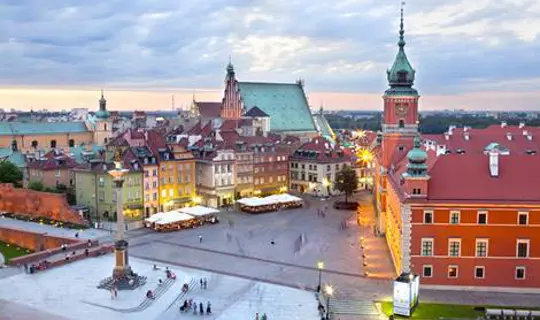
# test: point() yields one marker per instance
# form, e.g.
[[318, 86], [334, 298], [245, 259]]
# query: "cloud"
[[342, 46]]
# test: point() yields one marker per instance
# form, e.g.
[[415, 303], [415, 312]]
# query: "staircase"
[[353, 307]]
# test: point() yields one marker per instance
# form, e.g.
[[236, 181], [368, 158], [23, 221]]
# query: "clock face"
[[402, 110]]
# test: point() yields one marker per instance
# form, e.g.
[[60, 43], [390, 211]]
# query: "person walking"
[[26, 268], [205, 283], [202, 283], [257, 316], [201, 308], [264, 317], [194, 307], [208, 308], [200, 238]]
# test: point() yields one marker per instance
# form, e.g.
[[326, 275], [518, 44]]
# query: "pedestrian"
[[202, 283], [264, 317], [64, 247], [26, 268], [205, 283], [185, 307], [194, 308], [257, 316], [201, 308], [76, 235], [86, 252], [208, 309], [89, 243], [200, 238], [190, 303]]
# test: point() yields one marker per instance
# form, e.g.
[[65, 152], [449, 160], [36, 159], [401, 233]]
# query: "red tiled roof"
[[119, 141], [209, 109], [195, 130], [479, 139], [53, 161], [229, 125], [466, 177], [157, 143], [324, 151], [137, 134]]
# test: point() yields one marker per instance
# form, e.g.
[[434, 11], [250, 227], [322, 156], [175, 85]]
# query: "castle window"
[[71, 143], [34, 144], [105, 140], [53, 143], [401, 123]]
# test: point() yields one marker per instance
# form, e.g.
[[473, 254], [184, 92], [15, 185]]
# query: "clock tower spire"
[[400, 119]]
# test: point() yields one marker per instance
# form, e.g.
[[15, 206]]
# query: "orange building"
[[461, 209]]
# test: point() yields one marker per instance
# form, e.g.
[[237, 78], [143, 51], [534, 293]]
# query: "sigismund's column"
[[121, 268]]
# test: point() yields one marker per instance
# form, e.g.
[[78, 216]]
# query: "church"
[[285, 105]]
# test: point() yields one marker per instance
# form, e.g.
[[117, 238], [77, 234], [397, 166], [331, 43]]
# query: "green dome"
[[417, 154], [103, 114], [401, 74]]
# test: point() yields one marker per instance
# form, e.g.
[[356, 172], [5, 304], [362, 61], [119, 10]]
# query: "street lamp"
[[329, 293], [320, 266]]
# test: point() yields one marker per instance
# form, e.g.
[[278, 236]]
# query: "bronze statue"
[[118, 154]]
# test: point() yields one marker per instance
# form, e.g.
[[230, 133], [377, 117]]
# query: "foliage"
[[433, 123], [71, 199], [437, 311], [61, 187], [10, 251], [346, 181], [9, 173], [35, 185]]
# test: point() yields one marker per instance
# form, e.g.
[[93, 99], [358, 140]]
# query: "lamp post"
[[121, 268], [320, 267], [329, 293]]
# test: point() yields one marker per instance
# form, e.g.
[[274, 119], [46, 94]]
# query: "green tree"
[[9, 173], [346, 181], [35, 185]]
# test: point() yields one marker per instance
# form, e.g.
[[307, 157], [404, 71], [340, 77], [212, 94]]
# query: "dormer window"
[[402, 76]]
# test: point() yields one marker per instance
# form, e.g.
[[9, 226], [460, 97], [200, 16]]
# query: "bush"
[[36, 185]]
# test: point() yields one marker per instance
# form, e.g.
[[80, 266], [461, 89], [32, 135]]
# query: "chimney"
[[509, 136], [494, 164], [503, 124], [521, 125]]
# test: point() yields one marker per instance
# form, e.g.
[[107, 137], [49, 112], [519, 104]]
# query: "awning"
[[198, 211]]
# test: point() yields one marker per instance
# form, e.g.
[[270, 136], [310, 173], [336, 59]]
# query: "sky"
[[58, 54]]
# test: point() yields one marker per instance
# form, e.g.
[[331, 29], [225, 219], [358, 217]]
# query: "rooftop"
[[27, 128]]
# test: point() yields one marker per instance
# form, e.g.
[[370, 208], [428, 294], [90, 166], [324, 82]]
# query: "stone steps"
[[352, 307]]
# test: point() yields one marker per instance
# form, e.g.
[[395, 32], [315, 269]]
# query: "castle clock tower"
[[400, 119]]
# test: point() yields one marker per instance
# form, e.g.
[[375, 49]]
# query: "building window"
[[163, 193], [53, 143], [481, 247], [427, 271], [452, 272], [454, 247], [34, 144], [154, 172], [154, 196], [101, 195], [482, 217], [71, 143], [427, 247], [171, 192], [57, 174], [523, 218], [522, 248], [428, 217], [401, 123], [129, 196], [520, 273], [114, 197], [454, 217], [479, 272]]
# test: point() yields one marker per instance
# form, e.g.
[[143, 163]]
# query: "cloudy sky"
[[481, 54]]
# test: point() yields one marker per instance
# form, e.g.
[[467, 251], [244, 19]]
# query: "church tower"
[[400, 119], [232, 103], [103, 124]]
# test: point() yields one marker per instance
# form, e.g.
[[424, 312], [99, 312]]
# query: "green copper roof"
[[103, 114], [17, 158], [322, 125], [401, 74], [285, 103], [417, 160], [20, 128]]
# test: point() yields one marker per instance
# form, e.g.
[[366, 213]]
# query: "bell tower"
[[232, 107], [400, 119]]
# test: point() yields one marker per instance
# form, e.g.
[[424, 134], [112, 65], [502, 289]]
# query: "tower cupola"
[[417, 160], [102, 113]]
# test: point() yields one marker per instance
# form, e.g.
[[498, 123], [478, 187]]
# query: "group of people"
[[204, 283], [263, 317], [42, 265], [192, 305]]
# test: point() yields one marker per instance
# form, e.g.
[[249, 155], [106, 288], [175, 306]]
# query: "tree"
[[35, 185], [9, 173], [346, 181]]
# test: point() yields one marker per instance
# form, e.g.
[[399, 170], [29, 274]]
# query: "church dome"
[[417, 155]]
